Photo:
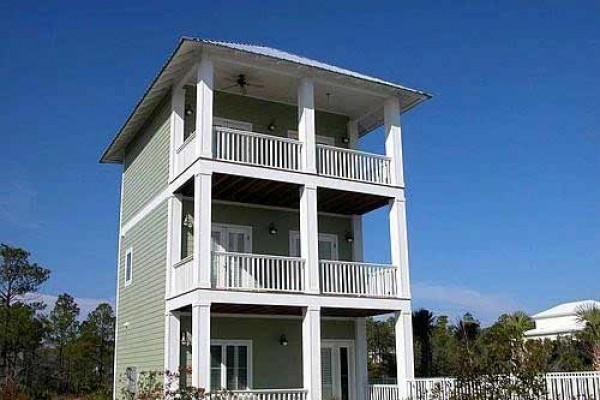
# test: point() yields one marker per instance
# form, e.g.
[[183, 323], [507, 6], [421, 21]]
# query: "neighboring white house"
[[560, 320]]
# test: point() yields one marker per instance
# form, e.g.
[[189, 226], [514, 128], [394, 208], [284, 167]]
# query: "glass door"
[[337, 370]]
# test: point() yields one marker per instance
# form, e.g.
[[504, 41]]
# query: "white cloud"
[[454, 301], [85, 304]]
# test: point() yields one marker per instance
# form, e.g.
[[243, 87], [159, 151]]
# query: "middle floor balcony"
[[257, 248]]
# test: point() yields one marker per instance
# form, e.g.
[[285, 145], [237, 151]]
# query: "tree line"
[[49, 350], [466, 349]]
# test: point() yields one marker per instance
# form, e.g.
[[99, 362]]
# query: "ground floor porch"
[[283, 353]]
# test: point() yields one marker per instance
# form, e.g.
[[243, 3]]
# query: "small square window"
[[128, 267]]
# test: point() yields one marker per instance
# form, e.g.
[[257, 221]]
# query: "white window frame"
[[328, 140], [224, 344], [323, 237], [226, 228], [335, 345], [232, 124], [129, 254]]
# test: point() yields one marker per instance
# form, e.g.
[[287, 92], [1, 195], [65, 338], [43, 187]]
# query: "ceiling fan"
[[241, 81]]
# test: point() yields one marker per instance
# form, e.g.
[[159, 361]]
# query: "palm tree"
[[590, 316], [423, 324]]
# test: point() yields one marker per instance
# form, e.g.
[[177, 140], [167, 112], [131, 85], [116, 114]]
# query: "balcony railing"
[[182, 279], [257, 149], [257, 272], [358, 279], [260, 394], [186, 153], [352, 164]]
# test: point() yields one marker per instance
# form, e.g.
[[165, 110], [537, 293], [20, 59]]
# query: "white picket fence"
[[257, 149], [559, 386], [358, 279], [258, 272]]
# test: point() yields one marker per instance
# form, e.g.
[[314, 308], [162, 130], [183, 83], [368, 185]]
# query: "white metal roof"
[[566, 309], [186, 54]]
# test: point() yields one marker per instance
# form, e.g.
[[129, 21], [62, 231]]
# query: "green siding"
[[260, 219], [142, 303], [146, 167], [261, 113], [274, 366]]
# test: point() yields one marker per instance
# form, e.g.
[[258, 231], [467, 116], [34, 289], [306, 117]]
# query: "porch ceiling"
[[348, 203], [242, 189], [227, 308], [352, 312]]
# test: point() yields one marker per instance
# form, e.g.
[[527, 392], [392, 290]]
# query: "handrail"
[[258, 135], [183, 261], [270, 256], [360, 263], [186, 142], [353, 151]]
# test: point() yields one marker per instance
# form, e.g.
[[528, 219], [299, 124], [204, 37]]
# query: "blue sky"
[[502, 166]]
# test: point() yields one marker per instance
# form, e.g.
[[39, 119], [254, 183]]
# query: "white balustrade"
[[353, 164], [185, 155], [259, 394], [358, 279], [573, 385], [257, 149], [243, 271], [182, 277], [559, 386]]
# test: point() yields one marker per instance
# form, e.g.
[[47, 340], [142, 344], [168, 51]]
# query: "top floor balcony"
[[256, 116], [270, 151]]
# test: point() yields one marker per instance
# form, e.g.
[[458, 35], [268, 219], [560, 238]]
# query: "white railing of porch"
[[383, 392], [185, 154], [182, 277], [358, 279], [573, 385], [257, 149], [260, 394], [258, 272], [353, 164], [559, 386]]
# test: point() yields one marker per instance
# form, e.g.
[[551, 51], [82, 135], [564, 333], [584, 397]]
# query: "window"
[[328, 140], [328, 245], [128, 267], [230, 364], [233, 124]]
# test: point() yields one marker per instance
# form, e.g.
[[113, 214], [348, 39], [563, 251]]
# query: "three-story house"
[[241, 241]]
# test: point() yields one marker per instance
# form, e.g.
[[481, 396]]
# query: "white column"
[[306, 124], [177, 120], [393, 139], [353, 135], [357, 245], [399, 245], [173, 237], [201, 345], [202, 227], [204, 107], [172, 341], [309, 237], [311, 352], [362, 375], [404, 351]]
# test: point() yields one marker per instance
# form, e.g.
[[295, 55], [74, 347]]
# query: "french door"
[[328, 245], [230, 238], [337, 369], [231, 364]]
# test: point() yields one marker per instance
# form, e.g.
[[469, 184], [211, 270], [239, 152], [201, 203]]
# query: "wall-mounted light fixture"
[[189, 111], [283, 340], [272, 126], [188, 221], [184, 340], [345, 140], [272, 229], [349, 237]]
